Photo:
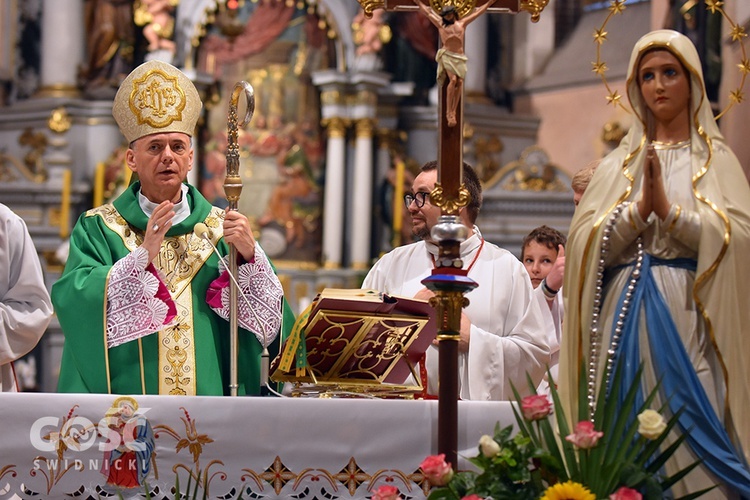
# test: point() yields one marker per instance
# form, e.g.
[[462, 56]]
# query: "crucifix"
[[449, 281]]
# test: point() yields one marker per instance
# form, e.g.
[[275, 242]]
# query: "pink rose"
[[584, 435], [625, 493], [386, 492], [535, 407], [437, 470], [473, 496]]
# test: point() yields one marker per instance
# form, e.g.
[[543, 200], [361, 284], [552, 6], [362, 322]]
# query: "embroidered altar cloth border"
[[58, 445]]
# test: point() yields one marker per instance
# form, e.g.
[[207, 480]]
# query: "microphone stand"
[[232, 189]]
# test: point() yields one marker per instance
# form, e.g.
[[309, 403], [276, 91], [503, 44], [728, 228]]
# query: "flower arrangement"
[[610, 456]]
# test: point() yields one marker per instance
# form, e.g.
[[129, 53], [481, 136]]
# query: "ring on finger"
[[156, 227]]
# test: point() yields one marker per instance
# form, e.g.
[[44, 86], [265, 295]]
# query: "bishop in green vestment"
[[143, 300]]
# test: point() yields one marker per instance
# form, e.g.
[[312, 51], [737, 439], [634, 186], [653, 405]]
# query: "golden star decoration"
[[600, 36], [714, 5], [738, 33], [617, 6], [599, 67], [614, 98]]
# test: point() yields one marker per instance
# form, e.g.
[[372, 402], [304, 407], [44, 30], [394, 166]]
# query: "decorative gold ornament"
[[34, 160], [448, 305], [59, 120], [612, 133], [371, 5], [487, 149], [156, 97], [534, 7], [463, 7], [450, 206], [358, 31], [364, 128], [737, 32], [533, 171], [331, 97], [335, 126], [141, 14]]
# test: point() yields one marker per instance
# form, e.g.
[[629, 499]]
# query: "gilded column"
[[62, 47], [335, 118], [333, 208], [360, 226]]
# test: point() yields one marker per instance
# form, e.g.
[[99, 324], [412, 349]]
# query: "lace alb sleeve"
[[138, 302], [260, 310]]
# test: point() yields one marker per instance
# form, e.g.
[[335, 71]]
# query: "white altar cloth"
[[54, 445]]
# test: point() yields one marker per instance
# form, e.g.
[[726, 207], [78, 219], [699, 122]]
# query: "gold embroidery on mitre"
[[157, 99], [177, 352]]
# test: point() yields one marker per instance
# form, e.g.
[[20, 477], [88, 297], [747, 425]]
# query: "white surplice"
[[508, 337], [25, 306], [552, 312]]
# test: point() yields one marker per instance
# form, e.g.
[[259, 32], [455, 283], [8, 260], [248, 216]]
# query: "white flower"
[[651, 424], [488, 446]]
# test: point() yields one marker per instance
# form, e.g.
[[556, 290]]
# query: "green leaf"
[[568, 450], [653, 446], [621, 443], [697, 494], [554, 450], [442, 494], [190, 481], [535, 455], [670, 481]]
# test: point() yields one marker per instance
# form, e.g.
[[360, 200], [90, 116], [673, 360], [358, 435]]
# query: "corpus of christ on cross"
[[449, 282]]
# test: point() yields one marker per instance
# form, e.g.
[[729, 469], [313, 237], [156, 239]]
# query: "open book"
[[356, 337]]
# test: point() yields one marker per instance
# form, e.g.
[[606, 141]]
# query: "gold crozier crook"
[[232, 189]]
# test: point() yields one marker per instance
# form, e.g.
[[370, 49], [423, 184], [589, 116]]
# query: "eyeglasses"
[[419, 198]]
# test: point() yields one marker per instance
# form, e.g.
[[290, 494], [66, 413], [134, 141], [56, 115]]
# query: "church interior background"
[[345, 115]]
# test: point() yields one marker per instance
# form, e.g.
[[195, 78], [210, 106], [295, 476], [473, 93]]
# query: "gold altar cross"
[[450, 156]]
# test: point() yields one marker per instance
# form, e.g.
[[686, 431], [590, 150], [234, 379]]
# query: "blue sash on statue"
[[680, 385]]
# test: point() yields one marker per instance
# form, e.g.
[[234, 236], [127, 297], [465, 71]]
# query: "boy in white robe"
[[543, 256]]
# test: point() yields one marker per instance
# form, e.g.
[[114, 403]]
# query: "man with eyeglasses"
[[502, 330]]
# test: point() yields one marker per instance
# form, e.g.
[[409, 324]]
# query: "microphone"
[[202, 231]]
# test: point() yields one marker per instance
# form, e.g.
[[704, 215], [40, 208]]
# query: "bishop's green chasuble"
[[190, 357]]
